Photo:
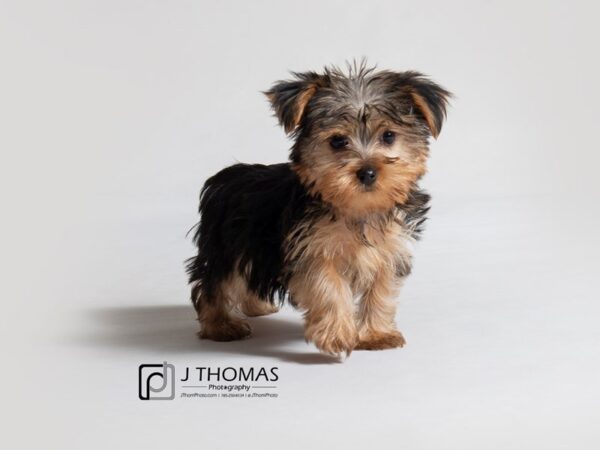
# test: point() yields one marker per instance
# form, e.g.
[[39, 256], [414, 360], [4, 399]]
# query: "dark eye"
[[338, 142], [388, 137]]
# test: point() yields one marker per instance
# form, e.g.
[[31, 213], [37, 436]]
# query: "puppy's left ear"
[[290, 98], [430, 100], [427, 99]]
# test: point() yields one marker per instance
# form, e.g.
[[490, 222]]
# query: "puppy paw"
[[335, 338], [376, 340], [229, 330]]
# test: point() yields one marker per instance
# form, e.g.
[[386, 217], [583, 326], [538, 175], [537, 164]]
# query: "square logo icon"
[[156, 381]]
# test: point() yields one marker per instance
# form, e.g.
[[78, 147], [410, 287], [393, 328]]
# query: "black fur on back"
[[245, 213]]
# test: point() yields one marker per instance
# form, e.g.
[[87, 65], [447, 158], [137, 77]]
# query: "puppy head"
[[360, 137]]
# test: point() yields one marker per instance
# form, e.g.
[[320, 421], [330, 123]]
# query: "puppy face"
[[361, 138]]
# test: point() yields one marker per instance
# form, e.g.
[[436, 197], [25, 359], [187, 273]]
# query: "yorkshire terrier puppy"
[[331, 229]]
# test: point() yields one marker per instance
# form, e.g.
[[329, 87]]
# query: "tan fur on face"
[[332, 174]]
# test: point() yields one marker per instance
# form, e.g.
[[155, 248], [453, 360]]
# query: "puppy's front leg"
[[376, 314], [326, 298]]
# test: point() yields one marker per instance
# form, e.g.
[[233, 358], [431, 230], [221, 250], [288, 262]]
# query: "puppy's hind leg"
[[254, 306], [247, 301], [217, 323]]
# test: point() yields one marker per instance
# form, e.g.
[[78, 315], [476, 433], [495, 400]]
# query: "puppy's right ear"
[[289, 98]]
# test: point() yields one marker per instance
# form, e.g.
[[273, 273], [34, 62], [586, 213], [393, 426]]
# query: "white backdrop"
[[112, 113]]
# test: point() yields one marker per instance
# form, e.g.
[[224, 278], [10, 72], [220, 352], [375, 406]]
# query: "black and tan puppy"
[[331, 228]]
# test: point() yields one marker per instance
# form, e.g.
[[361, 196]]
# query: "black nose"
[[367, 175]]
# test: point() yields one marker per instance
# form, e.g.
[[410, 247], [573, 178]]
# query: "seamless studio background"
[[112, 115]]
